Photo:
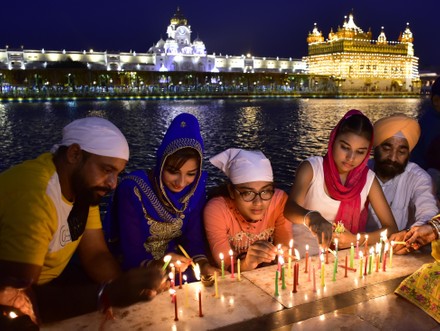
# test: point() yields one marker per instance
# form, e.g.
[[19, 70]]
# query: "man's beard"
[[86, 194], [387, 168]]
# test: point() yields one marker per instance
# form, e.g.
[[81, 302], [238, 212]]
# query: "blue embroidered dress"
[[145, 219]]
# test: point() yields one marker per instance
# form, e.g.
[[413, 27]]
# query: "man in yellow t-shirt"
[[49, 210]]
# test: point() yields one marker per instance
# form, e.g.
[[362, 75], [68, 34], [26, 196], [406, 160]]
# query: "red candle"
[[314, 280], [310, 271], [294, 277], [231, 253], [346, 265], [176, 317], [326, 256], [384, 264], [200, 303], [297, 274]]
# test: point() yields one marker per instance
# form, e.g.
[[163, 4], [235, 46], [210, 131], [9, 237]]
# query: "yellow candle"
[[222, 262], [322, 271], [238, 270], [361, 263]]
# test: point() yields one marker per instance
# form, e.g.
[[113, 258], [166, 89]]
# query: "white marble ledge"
[[238, 301]]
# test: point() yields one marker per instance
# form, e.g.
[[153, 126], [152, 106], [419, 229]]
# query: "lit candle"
[[358, 237], [326, 255], [185, 289], [276, 283], [197, 271], [361, 263], [283, 281], [352, 256], [384, 263], [297, 273], [319, 259], [238, 270], [383, 238], [179, 266], [366, 264], [370, 260], [307, 259], [314, 279], [322, 271], [200, 303], [231, 254], [166, 259], [222, 259], [216, 284], [366, 245]]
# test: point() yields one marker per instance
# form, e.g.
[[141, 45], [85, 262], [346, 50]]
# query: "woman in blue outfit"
[[155, 212]]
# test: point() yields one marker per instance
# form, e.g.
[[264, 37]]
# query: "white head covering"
[[243, 166], [97, 136]]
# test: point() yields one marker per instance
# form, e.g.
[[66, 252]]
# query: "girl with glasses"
[[246, 215]]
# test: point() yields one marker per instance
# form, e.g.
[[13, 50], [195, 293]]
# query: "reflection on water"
[[286, 130]]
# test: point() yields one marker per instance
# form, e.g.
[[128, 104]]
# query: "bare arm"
[[294, 211], [383, 212], [95, 257]]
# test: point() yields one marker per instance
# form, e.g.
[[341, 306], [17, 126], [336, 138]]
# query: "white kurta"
[[409, 196]]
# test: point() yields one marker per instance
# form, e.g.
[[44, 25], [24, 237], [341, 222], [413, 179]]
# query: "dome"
[[178, 18]]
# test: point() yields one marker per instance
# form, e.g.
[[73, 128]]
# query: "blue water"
[[286, 130]]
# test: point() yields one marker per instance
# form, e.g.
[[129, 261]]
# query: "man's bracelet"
[[435, 224], [103, 299], [307, 214]]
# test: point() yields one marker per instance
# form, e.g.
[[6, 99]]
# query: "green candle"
[[222, 264], [283, 283], [352, 256], [370, 261], [276, 283]]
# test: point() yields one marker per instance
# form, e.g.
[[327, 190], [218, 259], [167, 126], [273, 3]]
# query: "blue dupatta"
[[146, 219]]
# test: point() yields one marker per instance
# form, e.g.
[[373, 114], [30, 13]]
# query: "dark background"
[[269, 28]]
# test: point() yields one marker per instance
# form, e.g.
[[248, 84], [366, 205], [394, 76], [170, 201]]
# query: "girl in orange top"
[[246, 216]]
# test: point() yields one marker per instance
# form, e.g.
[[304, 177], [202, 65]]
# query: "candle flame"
[[307, 247], [171, 275], [383, 234], [221, 256], [361, 255], [178, 263], [167, 258], [297, 256], [358, 236], [291, 243], [172, 291], [231, 253], [184, 278], [280, 260], [371, 250], [197, 271]]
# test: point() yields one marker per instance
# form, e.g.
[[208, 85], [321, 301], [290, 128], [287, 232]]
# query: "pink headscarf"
[[349, 211]]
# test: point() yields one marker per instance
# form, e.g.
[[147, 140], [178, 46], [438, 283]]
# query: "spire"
[[382, 39], [407, 36]]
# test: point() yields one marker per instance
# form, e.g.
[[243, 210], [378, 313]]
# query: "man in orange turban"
[[407, 187]]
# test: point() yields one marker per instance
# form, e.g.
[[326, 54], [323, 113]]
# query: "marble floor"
[[388, 312]]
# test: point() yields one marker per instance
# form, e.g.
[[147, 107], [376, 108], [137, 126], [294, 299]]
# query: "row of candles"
[[375, 255]]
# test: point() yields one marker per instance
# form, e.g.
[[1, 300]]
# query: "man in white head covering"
[[49, 209], [247, 217], [407, 187]]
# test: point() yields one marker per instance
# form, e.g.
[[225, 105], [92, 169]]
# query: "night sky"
[[278, 28]]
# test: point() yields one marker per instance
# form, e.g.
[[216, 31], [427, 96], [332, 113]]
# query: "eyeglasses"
[[249, 196]]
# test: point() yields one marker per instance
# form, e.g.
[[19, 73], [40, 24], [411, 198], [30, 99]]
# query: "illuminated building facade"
[[354, 61], [177, 53]]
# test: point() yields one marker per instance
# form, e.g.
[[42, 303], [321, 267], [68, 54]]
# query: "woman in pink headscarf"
[[336, 189]]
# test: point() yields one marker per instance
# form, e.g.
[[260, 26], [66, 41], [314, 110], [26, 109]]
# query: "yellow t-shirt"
[[33, 218]]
